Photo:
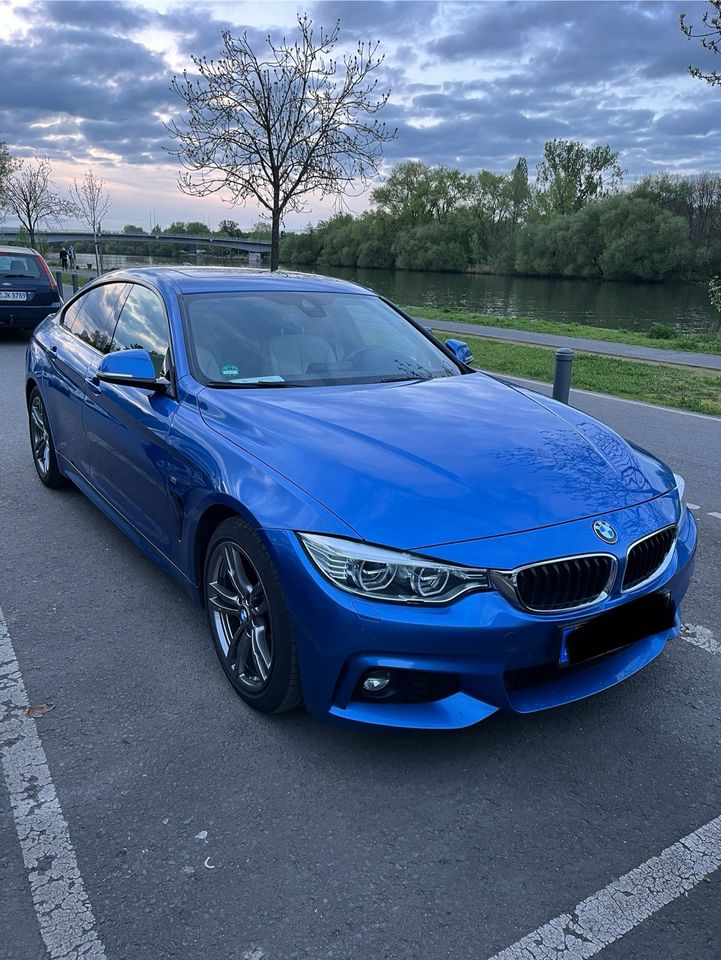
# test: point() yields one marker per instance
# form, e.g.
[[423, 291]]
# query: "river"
[[630, 306]]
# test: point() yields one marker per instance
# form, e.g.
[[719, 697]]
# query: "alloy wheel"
[[39, 436], [240, 616]]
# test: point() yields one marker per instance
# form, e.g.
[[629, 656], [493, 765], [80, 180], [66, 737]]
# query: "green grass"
[[693, 342], [686, 388], [67, 278]]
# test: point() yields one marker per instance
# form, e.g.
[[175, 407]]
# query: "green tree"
[[571, 175], [641, 241], [405, 194], [195, 228], [520, 191], [177, 227], [415, 192], [696, 198], [132, 228], [431, 246], [709, 35], [229, 228]]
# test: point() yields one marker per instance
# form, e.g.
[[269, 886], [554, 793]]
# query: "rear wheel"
[[249, 619], [44, 458]]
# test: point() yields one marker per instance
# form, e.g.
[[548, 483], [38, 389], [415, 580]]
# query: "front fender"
[[206, 472]]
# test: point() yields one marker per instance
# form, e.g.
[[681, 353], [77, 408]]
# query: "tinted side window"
[[142, 324], [91, 317]]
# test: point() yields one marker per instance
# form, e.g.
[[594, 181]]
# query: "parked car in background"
[[28, 291], [372, 525]]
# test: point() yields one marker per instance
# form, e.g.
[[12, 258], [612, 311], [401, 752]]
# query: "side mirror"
[[460, 350], [130, 368]]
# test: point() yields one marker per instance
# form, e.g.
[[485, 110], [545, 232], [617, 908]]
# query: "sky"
[[473, 85]]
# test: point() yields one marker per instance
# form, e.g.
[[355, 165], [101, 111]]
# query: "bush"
[[661, 331], [374, 253]]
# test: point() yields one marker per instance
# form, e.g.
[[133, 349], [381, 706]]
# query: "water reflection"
[[630, 306]]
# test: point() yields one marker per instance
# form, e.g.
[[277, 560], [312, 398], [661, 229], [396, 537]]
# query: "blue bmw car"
[[374, 527]]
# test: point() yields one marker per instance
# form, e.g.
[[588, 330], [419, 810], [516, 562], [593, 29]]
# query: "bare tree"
[[29, 194], [277, 125], [708, 32], [92, 203]]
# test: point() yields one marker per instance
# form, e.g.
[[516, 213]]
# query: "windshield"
[[292, 338]]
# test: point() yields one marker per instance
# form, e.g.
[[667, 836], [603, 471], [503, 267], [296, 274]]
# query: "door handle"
[[93, 384]]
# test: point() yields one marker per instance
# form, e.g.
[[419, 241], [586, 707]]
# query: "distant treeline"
[[576, 220]]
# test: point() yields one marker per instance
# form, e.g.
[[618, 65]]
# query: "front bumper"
[[482, 640]]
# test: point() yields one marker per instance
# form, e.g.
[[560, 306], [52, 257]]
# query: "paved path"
[[627, 350]]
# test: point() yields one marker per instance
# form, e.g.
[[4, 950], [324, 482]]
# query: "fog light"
[[377, 682]]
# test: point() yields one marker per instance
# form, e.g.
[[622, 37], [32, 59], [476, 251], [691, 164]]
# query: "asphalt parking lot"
[[202, 830]]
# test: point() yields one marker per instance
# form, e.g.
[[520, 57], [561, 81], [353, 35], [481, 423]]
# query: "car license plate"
[[617, 628], [13, 295]]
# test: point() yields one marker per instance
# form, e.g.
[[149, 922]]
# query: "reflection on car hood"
[[418, 464]]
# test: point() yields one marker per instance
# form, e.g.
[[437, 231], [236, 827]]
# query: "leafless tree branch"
[[92, 203], [276, 125], [30, 195]]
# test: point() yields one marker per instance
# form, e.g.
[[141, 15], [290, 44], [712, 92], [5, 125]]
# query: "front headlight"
[[681, 488], [380, 574]]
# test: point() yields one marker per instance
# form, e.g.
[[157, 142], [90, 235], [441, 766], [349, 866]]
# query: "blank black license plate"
[[617, 628]]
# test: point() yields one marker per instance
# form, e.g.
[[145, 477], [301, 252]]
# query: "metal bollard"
[[562, 374], [74, 278], [59, 280]]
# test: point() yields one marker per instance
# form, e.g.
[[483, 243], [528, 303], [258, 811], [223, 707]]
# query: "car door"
[[75, 344], [127, 428]]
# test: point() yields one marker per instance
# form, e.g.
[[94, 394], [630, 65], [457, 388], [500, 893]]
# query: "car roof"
[[8, 251], [190, 279]]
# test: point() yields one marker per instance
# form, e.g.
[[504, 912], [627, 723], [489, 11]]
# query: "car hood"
[[419, 464]]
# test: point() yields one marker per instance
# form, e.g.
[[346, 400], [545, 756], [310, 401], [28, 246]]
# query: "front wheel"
[[44, 458], [249, 619]]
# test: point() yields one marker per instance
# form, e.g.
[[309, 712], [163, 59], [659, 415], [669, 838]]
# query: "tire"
[[41, 442], [249, 619]]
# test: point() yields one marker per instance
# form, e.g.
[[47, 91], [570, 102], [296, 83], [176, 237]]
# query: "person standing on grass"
[[71, 258], [63, 258]]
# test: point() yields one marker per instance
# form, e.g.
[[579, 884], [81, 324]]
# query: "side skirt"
[[131, 532]]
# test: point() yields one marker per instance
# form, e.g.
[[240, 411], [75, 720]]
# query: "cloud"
[[473, 84]]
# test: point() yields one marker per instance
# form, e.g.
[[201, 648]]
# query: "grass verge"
[[67, 278], [693, 342], [686, 388]]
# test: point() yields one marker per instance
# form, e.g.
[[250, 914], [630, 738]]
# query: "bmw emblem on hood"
[[604, 531]]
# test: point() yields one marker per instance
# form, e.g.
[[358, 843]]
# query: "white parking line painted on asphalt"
[[66, 920], [606, 916], [694, 506], [700, 637], [717, 515]]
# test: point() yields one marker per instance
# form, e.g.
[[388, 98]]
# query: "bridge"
[[257, 247]]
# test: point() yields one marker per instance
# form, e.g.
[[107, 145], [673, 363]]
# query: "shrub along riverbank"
[[660, 336], [685, 388]]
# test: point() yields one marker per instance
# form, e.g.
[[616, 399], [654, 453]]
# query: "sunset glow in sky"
[[473, 85]]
